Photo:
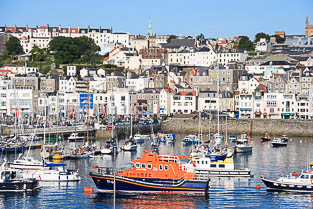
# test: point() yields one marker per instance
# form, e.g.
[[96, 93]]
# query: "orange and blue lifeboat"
[[152, 173]]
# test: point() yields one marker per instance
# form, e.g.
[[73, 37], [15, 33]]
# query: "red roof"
[[106, 58], [43, 27], [74, 30]]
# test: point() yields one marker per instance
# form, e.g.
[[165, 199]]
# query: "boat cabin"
[[152, 165], [205, 163]]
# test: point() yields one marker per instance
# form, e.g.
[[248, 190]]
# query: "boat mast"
[[218, 97], [88, 113], [131, 116]]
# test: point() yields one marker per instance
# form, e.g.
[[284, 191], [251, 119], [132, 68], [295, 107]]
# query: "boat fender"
[[39, 178], [66, 177], [311, 181], [59, 178]]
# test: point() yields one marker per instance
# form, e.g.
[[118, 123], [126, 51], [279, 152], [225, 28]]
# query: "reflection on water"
[[224, 192]]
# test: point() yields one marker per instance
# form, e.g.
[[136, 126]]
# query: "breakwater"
[[275, 127]]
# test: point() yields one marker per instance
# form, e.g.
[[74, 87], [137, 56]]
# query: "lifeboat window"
[[137, 165], [143, 165], [166, 167], [161, 167], [311, 176], [221, 165], [149, 166], [202, 162], [206, 162], [213, 165], [132, 164], [305, 176]]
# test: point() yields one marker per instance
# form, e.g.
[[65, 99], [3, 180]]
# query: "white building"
[[71, 70], [165, 102], [67, 84], [261, 45], [184, 103], [231, 56]]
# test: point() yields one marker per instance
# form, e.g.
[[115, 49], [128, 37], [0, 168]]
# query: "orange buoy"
[[95, 166], [258, 187], [294, 174], [88, 189]]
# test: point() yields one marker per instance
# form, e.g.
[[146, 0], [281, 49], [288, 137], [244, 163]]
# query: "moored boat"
[[242, 144], [11, 180], [265, 138], [280, 142], [129, 145], [292, 183], [74, 137], [152, 173], [221, 168]]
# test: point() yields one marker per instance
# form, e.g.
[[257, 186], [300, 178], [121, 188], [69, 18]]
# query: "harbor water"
[[224, 192]]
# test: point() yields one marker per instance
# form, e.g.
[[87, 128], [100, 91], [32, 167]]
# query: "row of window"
[[149, 166]]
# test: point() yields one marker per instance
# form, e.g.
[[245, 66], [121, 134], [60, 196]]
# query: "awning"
[[288, 114], [245, 109]]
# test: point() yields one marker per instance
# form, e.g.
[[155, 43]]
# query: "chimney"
[[88, 28]]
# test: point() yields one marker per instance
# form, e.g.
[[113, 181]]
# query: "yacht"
[[58, 174], [30, 163], [191, 139]]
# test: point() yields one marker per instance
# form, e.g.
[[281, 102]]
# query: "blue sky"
[[223, 18]]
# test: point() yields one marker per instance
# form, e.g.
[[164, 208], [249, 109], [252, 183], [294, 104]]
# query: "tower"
[[150, 28], [308, 28]]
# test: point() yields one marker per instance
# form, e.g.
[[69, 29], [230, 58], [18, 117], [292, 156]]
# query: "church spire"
[[307, 21], [150, 28]]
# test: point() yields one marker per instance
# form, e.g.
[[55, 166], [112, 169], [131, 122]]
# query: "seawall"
[[274, 127]]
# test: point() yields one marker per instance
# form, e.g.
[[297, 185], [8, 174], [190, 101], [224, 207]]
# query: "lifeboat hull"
[[105, 183]]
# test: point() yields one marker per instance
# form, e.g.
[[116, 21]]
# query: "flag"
[[104, 109], [11, 108], [17, 113]]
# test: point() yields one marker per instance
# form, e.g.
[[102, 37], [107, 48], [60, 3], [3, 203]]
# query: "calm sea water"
[[224, 192]]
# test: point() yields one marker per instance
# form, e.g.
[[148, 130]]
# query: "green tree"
[[69, 50], [200, 36], [13, 46], [260, 35], [170, 38], [245, 44]]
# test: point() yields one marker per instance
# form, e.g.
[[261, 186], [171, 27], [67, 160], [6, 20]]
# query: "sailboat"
[[130, 144]]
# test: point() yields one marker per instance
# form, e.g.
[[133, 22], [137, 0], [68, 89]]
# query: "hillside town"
[[161, 75]]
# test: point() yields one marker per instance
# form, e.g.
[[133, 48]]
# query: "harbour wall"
[[275, 127]]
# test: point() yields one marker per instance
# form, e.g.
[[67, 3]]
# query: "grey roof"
[[176, 43]]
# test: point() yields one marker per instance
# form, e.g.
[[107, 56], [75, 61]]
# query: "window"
[[166, 167], [213, 165], [161, 167], [149, 166], [137, 165], [123, 98], [143, 165]]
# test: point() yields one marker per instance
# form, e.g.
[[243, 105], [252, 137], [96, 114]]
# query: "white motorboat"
[[292, 183], [74, 137], [138, 138], [129, 145], [242, 144], [59, 174], [12, 180], [204, 166], [280, 142]]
